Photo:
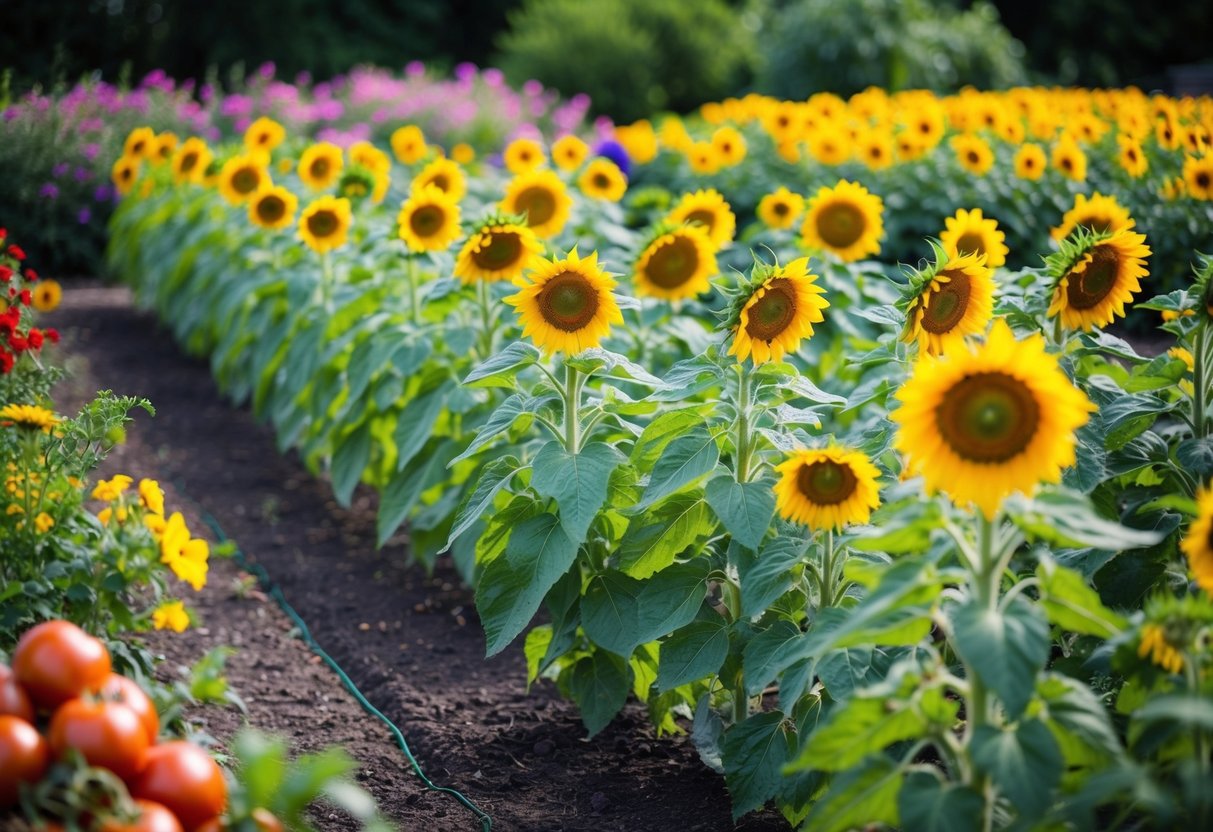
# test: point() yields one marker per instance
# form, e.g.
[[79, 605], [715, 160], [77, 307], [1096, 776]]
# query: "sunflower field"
[[865, 439]]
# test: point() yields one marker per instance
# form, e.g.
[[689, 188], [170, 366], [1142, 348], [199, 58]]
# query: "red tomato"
[[24, 757], [14, 701], [124, 691], [212, 825], [57, 661], [108, 734], [186, 780], [152, 818]]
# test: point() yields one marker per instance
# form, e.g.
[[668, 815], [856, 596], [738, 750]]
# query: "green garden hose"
[[274, 591]]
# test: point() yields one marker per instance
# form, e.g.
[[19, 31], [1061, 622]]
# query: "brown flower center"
[[427, 220], [704, 217], [538, 203], [674, 263], [320, 168], [948, 305], [568, 302], [271, 208], [602, 181], [189, 161], [826, 482], [323, 223], [841, 224], [988, 417], [503, 250], [1099, 223], [1095, 282], [1202, 180], [974, 157], [971, 243], [781, 209], [774, 312], [246, 180], [442, 182]]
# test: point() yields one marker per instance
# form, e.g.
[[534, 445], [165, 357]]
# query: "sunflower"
[[703, 158], [1095, 276], [463, 153], [429, 220], [729, 145], [1197, 545], [272, 207], [1101, 214], [263, 135], [47, 294], [498, 249], [638, 139], [1030, 162], [320, 165], [28, 417], [566, 305], [124, 174], [973, 153], [780, 209], [569, 152], [543, 198], [775, 311], [523, 155], [191, 160], [830, 146], [241, 177], [602, 179], [1160, 651], [162, 150], [676, 264], [875, 149], [444, 174], [845, 219], [951, 299], [706, 208], [983, 423], [827, 489], [140, 143], [1069, 158], [968, 232], [371, 158], [1198, 176], [356, 183], [408, 143], [1131, 157], [325, 224]]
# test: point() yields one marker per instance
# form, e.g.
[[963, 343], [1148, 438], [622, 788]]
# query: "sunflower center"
[[841, 225], [537, 203], [502, 251], [601, 180], [826, 482], [568, 301], [188, 162], [973, 157], [442, 182], [705, 218], [780, 209], [1089, 287], [320, 168], [246, 180], [971, 243], [949, 304], [772, 313], [426, 220], [988, 417], [271, 208], [1098, 223], [674, 263], [127, 173], [1202, 180], [322, 224]]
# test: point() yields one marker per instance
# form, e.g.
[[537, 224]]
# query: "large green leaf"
[[599, 685], [845, 671], [854, 730], [683, 461], [671, 598], [655, 538], [577, 482], [928, 804], [405, 487], [769, 653], [499, 370], [767, 575], [1023, 761], [1072, 605], [745, 508], [859, 798], [495, 476], [1066, 518], [690, 654], [349, 461], [1006, 648], [416, 422], [754, 754], [609, 612]]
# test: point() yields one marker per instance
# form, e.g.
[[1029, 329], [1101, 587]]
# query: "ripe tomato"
[[186, 780], [57, 661], [14, 701], [24, 757], [108, 734], [124, 691], [212, 825], [152, 818]]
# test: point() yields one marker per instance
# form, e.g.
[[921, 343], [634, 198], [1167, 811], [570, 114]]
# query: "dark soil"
[[411, 642]]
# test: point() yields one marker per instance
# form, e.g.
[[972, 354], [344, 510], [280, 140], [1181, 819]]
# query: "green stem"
[[414, 304], [486, 319], [741, 701], [984, 585], [743, 444], [827, 572], [1200, 370], [572, 404], [326, 281], [1059, 336]]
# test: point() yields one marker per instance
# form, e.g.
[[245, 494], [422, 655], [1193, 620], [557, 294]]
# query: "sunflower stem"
[[572, 404], [486, 319], [984, 585], [827, 572], [326, 280], [1059, 336], [414, 305], [744, 449], [1200, 349]]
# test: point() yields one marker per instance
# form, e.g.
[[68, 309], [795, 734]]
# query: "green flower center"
[[1088, 288], [504, 249], [674, 263], [568, 301], [988, 417], [841, 225], [774, 312], [948, 305], [826, 482]]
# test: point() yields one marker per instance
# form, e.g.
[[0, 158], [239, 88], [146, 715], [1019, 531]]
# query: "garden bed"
[[411, 642]]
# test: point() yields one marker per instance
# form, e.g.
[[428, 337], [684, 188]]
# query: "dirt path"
[[412, 643]]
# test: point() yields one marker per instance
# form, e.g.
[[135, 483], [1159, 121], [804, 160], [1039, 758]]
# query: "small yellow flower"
[[171, 615], [569, 152], [28, 416], [1161, 652], [43, 522], [463, 153], [112, 489], [155, 524], [151, 495], [13, 508]]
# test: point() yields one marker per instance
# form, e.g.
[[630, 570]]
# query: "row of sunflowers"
[[909, 545]]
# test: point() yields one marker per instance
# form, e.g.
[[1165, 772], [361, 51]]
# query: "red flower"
[[6, 274], [16, 252], [18, 343], [6, 361], [27, 297], [31, 275], [52, 335], [35, 339]]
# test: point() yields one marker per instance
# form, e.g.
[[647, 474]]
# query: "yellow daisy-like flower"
[[428, 220], [827, 489], [779, 313], [1198, 176], [446, 175], [192, 566], [370, 157], [973, 153], [263, 135], [602, 179], [780, 209], [191, 160], [569, 152], [111, 489], [408, 144], [956, 300], [1096, 276], [676, 265], [830, 146], [151, 496], [875, 149], [1030, 162], [140, 143], [273, 207], [241, 177], [43, 523], [706, 208], [325, 223], [29, 417], [729, 145], [1181, 354], [983, 423], [543, 198], [463, 153], [1197, 544], [639, 140], [47, 294], [566, 305], [523, 155], [1161, 652], [124, 173], [171, 615], [968, 232], [497, 250], [704, 158], [1131, 157], [320, 165], [1101, 214], [162, 150], [846, 220], [1070, 159]]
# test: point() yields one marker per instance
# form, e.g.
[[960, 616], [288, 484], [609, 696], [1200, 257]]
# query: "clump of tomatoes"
[[61, 702]]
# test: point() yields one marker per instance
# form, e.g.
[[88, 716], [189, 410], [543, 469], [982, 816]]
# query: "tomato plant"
[[185, 779], [24, 757], [107, 734], [126, 692], [14, 701], [147, 817], [57, 661]]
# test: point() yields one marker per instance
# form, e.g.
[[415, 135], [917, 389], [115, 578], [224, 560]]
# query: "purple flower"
[[49, 190], [235, 106], [267, 70], [614, 151], [465, 71], [494, 77], [532, 87], [91, 125], [414, 69], [206, 93], [82, 174], [59, 170], [84, 215], [104, 193]]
